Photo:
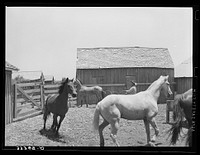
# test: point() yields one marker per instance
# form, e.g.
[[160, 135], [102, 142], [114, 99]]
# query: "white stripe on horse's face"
[[166, 89]]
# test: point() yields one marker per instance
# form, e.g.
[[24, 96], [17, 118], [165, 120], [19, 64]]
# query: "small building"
[[49, 79], [184, 76], [8, 92], [113, 68]]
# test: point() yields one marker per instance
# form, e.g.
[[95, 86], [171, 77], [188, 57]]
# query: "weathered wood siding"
[[8, 98], [183, 84], [143, 76]]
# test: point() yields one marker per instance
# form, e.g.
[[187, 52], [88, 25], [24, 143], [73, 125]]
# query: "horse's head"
[[70, 87], [166, 86]]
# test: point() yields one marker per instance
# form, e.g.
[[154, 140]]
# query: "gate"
[[28, 100]]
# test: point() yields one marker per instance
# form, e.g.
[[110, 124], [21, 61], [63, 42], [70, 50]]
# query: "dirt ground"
[[76, 130]]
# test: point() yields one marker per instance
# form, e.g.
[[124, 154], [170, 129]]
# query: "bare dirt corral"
[[76, 130]]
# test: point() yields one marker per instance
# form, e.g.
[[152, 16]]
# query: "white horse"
[[140, 106]]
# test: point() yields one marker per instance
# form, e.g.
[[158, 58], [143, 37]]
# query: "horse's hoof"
[[151, 144], [153, 139]]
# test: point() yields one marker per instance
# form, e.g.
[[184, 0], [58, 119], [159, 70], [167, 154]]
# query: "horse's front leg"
[[146, 123], [154, 125]]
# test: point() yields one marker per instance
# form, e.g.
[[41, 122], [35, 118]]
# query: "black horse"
[[182, 108], [58, 104]]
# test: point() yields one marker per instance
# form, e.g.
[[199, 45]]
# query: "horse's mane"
[[153, 84], [61, 87], [79, 81]]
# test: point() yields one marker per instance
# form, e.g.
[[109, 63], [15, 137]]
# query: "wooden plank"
[[29, 84], [42, 95], [24, 106], [31, 114], [106, 85], [22, 91], [51, 86], [36, 97]]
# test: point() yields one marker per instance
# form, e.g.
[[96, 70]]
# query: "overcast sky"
[[47, 38]]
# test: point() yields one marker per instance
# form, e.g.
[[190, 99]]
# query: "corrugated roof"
[[117, 57], [184, 69], [10, 67]]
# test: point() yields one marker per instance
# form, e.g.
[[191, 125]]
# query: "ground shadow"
[[54, 137]]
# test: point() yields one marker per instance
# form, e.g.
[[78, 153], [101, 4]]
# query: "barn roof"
[[10, 67], [48, 77], [184, 69], [119, 57]]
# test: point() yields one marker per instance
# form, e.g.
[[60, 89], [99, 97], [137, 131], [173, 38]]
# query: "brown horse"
[[182, 108], [58, 104], [84, 91]]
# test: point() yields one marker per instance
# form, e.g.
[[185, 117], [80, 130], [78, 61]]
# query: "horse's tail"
[[177, 125], [46, 112], [189, 137], [95, 122]]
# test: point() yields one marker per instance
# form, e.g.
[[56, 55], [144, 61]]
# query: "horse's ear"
[[166, 77], [67, 80]]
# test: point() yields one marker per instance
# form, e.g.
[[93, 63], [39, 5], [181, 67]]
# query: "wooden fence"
[[119, 89], [29, 98]]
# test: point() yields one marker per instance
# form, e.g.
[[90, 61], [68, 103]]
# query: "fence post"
[[42, 91], [15, 101]]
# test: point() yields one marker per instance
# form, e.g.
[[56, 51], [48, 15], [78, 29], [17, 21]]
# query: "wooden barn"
[[114, 68], [184, 76], [8, 94]]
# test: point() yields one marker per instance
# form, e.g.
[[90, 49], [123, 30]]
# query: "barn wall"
[[8, 99], [123, 76], [183, 84]]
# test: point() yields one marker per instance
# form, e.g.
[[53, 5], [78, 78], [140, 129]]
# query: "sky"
[[46, 38]]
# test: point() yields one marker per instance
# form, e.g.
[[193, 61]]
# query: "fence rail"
[[29, 95]]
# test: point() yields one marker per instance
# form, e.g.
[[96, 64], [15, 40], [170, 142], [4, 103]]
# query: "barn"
[[113, 68], [8, 95], [184, 76]]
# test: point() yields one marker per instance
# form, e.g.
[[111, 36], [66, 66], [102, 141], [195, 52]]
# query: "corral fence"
[[29, 98], [119, 89]]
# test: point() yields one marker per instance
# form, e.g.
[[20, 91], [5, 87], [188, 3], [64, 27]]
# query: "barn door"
[[130, 78]]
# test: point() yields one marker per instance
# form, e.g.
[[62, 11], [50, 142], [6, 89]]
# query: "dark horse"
[[58, 104], [182, 107]]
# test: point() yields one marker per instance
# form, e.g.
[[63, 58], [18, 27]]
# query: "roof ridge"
[[121, 47]]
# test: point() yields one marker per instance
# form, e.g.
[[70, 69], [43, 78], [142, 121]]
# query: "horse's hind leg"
[[101, 127], [55, 123], [45, 119], [114, 129], [154, 125]]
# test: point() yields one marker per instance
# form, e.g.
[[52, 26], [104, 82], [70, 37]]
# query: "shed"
[[8, 92], [114, 68], [184, 76], [48, 79]]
